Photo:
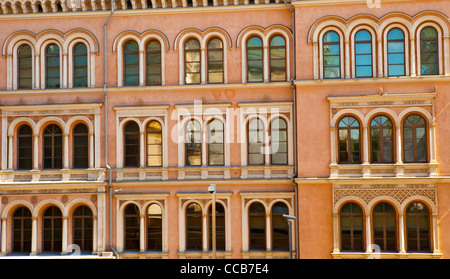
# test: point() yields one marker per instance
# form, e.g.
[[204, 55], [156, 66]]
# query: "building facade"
[[118, 115]]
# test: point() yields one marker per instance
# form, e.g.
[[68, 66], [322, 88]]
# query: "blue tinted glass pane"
[[396, 70], [331, 37], [363, 35], [396, 58], [331, 61], [363, 60], [396, 47], [364, 71], [395, 34], [277, 41], [254, 42], [363, 48], [332, 72], [331, 49]]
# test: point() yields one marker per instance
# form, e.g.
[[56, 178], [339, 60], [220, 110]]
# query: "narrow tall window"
[[131, 64], [215, 143], [53, 147], [396, 52], [257, 226], [277, 58], [52, 229], [194, 227], [384, 227], [131, 150], [132, 227], [80, 146], [154, 144], [215, 61], [154, 63], [25, 72], [254, 60], [21, 230], [381, 140], [363, 54], [220, 227], [80, 65], [415, 139], [349, 140], [192, 62], [24, 148], [52, 64], [83, 228], [193, 143], [278, 140], [418, 228], [351, 221], [280, 227], [154, 228], [255, 141], [429, 47], [331, 55]]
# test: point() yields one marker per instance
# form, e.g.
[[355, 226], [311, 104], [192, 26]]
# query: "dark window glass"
[[331, 55], [418, 228], [154, 228], [415, 139], [193, 143], [131, 133], [429, 47], [80, 65], [257, 226], [363, 54], [21, 230], [220, 227], [83, 228], [52, 229], [215, 143], [277, 58], [381, 140], [278, 137], [192, 62], [254, 60], [25, 73], [215, 61], [384, 227], [349, 140], [53, 147], [255, 140], [52, 64], [154, 144], [131, 64], [396, 52], [80, 146], [280, 227], [24, 148], [194, 227], [351, 222], [154, 63], [132, 227]]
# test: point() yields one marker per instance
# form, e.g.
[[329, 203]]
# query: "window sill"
[[422, 170], [363, 255]]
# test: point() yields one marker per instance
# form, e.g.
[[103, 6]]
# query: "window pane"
[[257, 227], [194, 227]]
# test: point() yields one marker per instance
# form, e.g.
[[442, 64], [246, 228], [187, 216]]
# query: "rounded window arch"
[[418, 232], [52, 229], [193, 143], [349, 141], [21, 230], [80, 65], [255, 59], [278, 141], [194, 240], [429, 51], [53, 147], [331, 55], [415, 143], [352, 227], [280, 227], [153, 57], [396, 52], [381, 139], [131, 144], [154, 144], [216, 143], [25, 67], [277, 58], [80, 146], [192, 62], [131, 63], [363, 54], [215, 56], [52, 66], [132, 227], [384, 225], [257, 226], [83, 228], [24, 147], [154, 227], [220, 226]]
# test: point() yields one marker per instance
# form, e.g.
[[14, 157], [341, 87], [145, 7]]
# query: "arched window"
[[384, 227], [80, 65], [280, 227], [52, 147], [363, 54], [352, 229], [331, 55], [153, 52], [132, 227], [83, 228], [220, 227], [192, 62], [349, 140], [215, 143], [396, 52], [154, 144], [131, 63], [255, 140], [278, 137], [24, 148], [277, 58], [21, 230], [131, 133], [52, 229], [415, 139], [254, 60], [154, 228], [193, 143], [418, 236], [381, 140], [25, 62], [215, 61], [194, 227], [257, 226], [52, 66], [429, 47], [80, 146]]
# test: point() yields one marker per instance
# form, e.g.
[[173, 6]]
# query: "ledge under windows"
[[384, 255], [63, 175], [425, 170]]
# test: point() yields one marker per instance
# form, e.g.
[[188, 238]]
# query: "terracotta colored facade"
[[117, 158]]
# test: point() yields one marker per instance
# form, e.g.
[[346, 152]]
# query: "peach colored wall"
[[443, 201]]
